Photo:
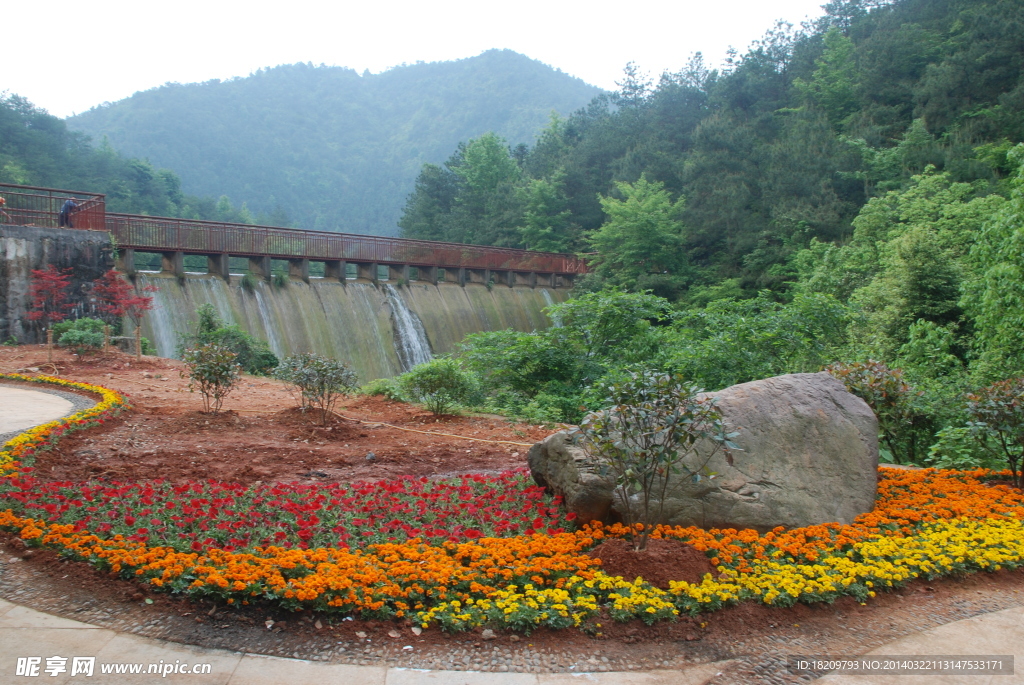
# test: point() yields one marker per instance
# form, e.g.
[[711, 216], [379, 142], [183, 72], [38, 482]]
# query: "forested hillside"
[[849, 197], [37, 149], [332, 149], [746, 166]]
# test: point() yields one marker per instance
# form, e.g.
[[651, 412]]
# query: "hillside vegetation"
[[332, 149], [38, 149], [746, 165]]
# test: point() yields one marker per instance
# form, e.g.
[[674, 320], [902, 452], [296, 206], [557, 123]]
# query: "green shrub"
[[385, 387], [249, 283], [998, 418], [440, 384], [213, 370], [906, 431], [656, 427], [320, 380], [81, 335], [253, 355], [961, 448]]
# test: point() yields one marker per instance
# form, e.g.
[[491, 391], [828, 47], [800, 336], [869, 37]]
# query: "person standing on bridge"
[[66, 212], [4, 216]]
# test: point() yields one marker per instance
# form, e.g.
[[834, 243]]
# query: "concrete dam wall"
[[381, 330]]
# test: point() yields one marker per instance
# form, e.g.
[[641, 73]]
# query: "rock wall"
[[23, 248]]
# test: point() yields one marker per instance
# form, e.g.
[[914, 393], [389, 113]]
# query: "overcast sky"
[[67, 57]]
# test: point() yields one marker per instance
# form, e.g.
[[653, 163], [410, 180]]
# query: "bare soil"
[[261, 436]]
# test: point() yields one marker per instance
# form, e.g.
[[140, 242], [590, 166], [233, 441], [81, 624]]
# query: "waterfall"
[[555, 319], [411, 342], [268, 324]]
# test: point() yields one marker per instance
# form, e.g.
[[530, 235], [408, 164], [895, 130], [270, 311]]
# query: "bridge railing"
[[163, 234], [38, 206]]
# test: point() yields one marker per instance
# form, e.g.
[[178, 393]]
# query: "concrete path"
[[28, 633], [21, 409], [998, 633]]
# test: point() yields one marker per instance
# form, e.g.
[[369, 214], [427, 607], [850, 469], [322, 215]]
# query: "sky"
[[68, 57]]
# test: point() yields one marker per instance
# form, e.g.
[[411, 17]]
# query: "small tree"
[[656, 428], [211, 369], [440, 384], [49, 293], [998, 412], [905, 430], [119, 299], [320, 380]]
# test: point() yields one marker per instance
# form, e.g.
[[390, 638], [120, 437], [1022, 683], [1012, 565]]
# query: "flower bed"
[[481, 550]]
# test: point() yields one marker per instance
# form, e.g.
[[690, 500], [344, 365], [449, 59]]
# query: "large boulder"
[[809, 456]]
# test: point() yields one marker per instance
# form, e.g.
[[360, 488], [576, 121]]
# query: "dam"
[[380, 329], [382, 305]]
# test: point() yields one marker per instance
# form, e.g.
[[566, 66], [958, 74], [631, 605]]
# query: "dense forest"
[[333, 149], [752, 162], [847, 195], [38, 149]]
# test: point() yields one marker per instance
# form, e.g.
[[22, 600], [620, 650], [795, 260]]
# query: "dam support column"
[[462, 277], [334, 269], [173, 263], [298, 269], [504, 278], [398, 273], [219, 265], [367, 271], [427, 273], [260, 267], [125, 262]]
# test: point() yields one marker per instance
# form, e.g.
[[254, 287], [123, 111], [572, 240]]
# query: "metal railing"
[[164, 234], [37, 206]]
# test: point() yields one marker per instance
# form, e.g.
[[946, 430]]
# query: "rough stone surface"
[[809, 456], [23, 248]]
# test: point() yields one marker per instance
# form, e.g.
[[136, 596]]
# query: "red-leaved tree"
[[118, 298], [49, 292]]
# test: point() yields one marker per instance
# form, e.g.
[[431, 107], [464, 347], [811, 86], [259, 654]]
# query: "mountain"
[[332, 149]]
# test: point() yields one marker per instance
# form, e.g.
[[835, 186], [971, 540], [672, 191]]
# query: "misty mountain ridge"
[[333, 149]]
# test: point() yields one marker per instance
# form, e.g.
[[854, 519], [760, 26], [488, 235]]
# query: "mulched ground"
[[261, 437]]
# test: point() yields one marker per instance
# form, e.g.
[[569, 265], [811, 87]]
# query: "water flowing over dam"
[[380, 330]]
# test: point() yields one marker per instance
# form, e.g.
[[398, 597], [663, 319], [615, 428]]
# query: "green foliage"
[[253, 355], [642, 234], [384, 387], [996, 296], [962, 448], [998, 414], [211, 369], [441, 384], [249, 283], [657, 428], [81, 335], [905, 431], [320, 381]]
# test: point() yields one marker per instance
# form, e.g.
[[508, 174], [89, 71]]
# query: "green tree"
[[546, 217], [833, 86], [996, 296], [642, 234]]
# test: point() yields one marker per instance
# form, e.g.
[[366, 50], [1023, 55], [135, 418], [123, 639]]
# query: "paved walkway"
[[26, 633], [21, 409]]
